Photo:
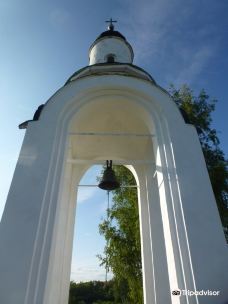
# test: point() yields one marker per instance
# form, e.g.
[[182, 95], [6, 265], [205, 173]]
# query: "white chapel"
[[112, 109]]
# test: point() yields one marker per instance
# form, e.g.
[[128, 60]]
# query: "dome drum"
[[110, 47]]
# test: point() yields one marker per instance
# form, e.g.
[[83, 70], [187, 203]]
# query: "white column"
[[24, 235], [155, 274]]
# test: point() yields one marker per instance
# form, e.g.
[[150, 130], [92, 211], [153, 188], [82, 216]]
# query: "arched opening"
[[114, 126], [110, 58], [93, 209]]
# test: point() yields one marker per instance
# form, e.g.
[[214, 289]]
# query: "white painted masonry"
[[116, 46], [183, 246]]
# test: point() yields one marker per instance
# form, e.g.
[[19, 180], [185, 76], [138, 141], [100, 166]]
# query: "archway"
[[108, 128], [88, 243]]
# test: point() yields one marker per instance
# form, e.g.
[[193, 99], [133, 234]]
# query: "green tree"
[[93, 292], [198, 111], [121, 231]]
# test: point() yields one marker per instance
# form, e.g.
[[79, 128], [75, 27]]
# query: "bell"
[[109, 181]]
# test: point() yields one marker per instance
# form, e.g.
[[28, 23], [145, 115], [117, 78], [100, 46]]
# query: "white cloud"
[[84, 273], [197, 61], [150, 25], [102, 208], [164, 36], [85, 193]]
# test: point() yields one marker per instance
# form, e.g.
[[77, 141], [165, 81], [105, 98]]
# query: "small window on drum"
[[110, 58]]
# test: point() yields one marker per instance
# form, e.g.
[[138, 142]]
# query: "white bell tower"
[[112, 109]]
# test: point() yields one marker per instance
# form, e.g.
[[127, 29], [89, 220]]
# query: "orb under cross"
[[111, 25]]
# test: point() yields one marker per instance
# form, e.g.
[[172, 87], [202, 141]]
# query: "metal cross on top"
[[111, 26]]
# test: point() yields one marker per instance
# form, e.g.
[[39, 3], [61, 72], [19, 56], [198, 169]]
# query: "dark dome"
[[111, 33]]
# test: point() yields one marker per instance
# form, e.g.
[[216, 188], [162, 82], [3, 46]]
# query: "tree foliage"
[[199, 111], [93, 292]]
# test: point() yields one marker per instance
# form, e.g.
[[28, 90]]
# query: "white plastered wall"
[[119, 48], [182, 240]]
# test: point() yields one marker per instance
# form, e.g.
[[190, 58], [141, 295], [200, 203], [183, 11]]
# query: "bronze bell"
[[109, 181]]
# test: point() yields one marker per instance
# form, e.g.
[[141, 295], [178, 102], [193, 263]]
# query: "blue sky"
[[91, 209], [44, 42]]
